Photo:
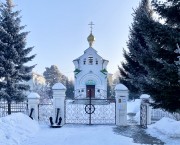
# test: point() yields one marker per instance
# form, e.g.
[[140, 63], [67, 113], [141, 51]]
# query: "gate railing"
[[98, 111], [143, 115], [15, 107], [44, 112]]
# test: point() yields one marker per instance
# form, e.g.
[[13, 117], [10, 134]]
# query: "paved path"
[[137, 134]]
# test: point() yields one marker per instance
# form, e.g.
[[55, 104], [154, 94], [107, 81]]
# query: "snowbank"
[[167, 130], [167, 126], [15, 128]]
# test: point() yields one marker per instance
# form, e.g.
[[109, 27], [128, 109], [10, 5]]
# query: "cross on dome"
[[91, 25], [91, 37]]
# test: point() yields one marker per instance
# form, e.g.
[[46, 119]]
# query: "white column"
[[59, 101], [146, 99], [33, 101], [121, 95]]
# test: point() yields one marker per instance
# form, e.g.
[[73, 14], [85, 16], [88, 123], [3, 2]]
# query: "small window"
[[90, 58], [84, 62], [96, 61]]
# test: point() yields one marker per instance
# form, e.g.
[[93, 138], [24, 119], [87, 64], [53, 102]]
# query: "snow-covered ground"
[[134, 107], [19, 129], [78, 135], [167, 130], [15, 128]]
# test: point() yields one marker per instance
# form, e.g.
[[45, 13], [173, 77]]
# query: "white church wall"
[[90, 70]]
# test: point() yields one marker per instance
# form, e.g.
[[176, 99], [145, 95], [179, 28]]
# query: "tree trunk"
[[9, 108]]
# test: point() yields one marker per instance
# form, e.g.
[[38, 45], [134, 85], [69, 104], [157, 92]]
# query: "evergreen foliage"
[[69, 89], [169, 11], [53, 76], [13, 56], [109, 90], [162, 81], [132, 73], [151, 63], [178, 61]]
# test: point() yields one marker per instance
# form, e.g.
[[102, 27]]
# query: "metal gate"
[[90, 111], [15, 107], [44, 112], [143, 115]]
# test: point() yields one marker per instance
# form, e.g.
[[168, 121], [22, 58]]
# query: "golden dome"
[[91, 39]]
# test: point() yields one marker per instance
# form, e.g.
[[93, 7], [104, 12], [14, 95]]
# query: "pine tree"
[[159, 61], [169, 11], [178, 61], [69, 89], [132, 72], [109, 90], [53, 76], [13, 56]]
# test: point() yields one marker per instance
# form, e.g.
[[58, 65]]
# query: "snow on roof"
[[59, 86], [92, 50], [144, 96], [121, 87], [33, 95]]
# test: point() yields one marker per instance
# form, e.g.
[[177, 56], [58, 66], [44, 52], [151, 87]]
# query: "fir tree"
[[159, 61], [132, 72], [178, 61], [169, 11], [13, 56]]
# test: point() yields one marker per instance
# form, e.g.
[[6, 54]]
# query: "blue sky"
[[59, 30]]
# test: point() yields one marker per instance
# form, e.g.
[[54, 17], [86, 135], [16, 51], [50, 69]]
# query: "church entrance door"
[[90, 91]]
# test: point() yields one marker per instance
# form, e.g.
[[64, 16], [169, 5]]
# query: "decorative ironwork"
[[44, 112], [32, 109], [15, 107], [143, 115], [89, 108], [103, 112]]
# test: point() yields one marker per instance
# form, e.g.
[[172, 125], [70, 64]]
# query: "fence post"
[[59, 102], [33, 101], [121, 95], [146, 99]]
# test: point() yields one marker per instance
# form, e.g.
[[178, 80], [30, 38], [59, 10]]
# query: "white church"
[[90, 73]]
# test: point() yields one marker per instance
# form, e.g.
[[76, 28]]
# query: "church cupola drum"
[[90, 73]]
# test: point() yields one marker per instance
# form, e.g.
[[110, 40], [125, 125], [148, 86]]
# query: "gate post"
[[145, 99], [121, 95], [33, 101], [58, 102]]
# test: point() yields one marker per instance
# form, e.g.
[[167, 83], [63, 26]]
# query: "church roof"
[[86, 51]]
